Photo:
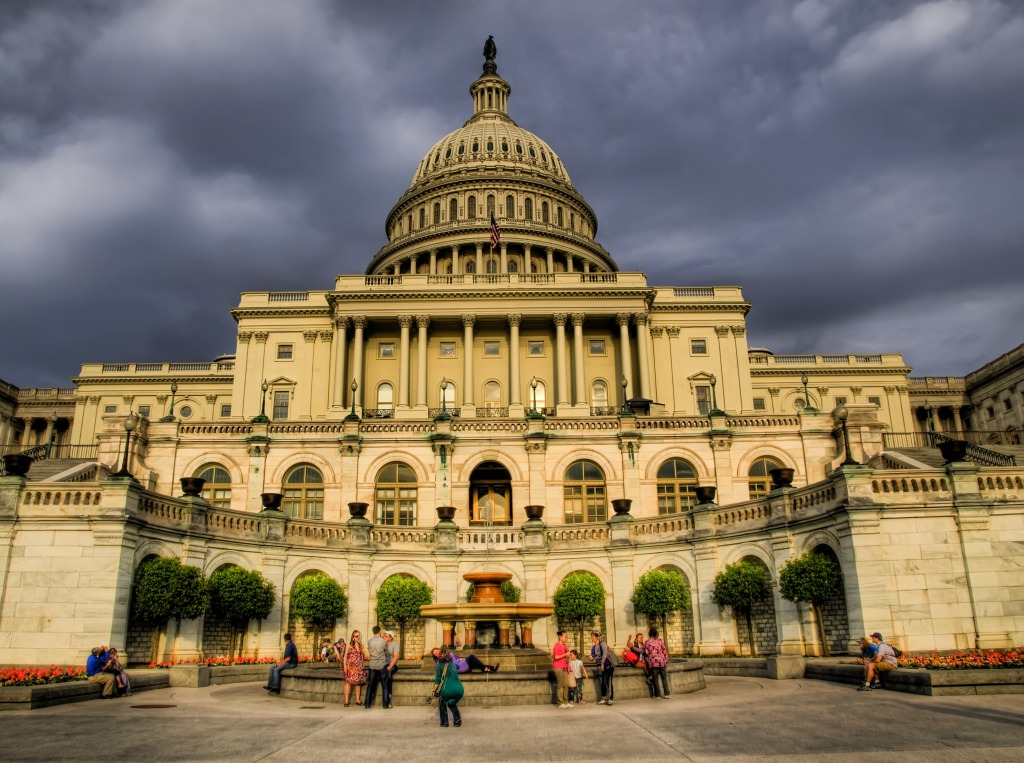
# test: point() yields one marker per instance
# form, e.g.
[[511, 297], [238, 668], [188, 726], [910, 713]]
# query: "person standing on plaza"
[[378, 661], [387, 677], [579, 672], [289, 661], [602, 655], [448, 688], [560, 664], [656, 655], [352, 667]]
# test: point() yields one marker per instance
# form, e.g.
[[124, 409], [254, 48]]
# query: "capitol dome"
[[490, 168]]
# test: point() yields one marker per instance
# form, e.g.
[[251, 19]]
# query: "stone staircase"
[[45, 470]]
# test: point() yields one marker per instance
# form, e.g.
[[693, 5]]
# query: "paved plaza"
[[735, 719]]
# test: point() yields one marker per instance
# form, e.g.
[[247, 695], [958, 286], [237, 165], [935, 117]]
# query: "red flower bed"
[[222, 661], [39, 676], [1004, 658]]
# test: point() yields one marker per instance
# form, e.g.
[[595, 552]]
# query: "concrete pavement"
[[734, 719]]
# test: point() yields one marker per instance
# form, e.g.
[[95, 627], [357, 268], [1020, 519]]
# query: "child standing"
[[579, 672]]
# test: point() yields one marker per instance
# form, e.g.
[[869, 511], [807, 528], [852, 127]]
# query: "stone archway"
[[142, 641], [833, 613], [218, 633], [304, 636], [679, 634], [762, 615]]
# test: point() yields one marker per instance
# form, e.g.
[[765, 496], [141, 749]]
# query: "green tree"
[[658, 593], [510, 592], [815, 579], [741, 586], [318, 600], [578, 599], [163, 589], [239, 596], [399, 600]]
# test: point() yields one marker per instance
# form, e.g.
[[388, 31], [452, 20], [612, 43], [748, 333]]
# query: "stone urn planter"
[[534, 512], [706, 494], [621, 505], [782, 477], [445, 513], [192, 486], [357, 509], [953, 450], [272, 501], [17, 464]]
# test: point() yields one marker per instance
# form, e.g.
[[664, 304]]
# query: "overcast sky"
[[857, 166]]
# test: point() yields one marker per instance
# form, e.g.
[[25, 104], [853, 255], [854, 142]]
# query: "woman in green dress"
[[447, 687]]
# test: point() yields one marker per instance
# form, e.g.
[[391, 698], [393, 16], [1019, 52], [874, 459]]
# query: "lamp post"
[[533, 389], [625, 403], [262, 418], [353, 386], [129, 425], [714, 398], [808, 407], [170, 413], [843, 415]]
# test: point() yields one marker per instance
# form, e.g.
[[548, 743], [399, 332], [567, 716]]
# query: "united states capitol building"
[[493, 391]]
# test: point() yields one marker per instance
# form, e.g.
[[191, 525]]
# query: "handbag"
[[572, 680]]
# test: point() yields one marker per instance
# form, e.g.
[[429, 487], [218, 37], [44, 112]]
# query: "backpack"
[[896, 651], [612, 660]]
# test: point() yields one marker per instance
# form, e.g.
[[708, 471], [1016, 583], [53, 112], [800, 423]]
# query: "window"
[[144, 410], [285, 351], [225, 410], [759, 481], [490, 205], [423, 217], [519, 149], [599, 394], [492, 265], [528, 204], [303, 493], [437, 212], [596, 347], [698, 346], [538, 396], [510, 207], [385, 397], [471, 207], [185, 412], [453, 210], [759, 404], [490, 144], [677, 487], [990, 412], [584, 493], [1007, 404], [875, 401], [703, 400], [490, 492], [492, 395], [471, 266], [513, 266], [395, 495], [840, 400], [492, 348], [447, 349], [544, 212], [110, 409], [558, 217], [446, 396], [535, 348], [462, 149], [217, 489], [386, 350], [280, 404]]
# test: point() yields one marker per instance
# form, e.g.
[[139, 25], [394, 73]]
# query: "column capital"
[[405, 321], [479, 247], [622, 319], [326, 336], [341, 322], [640, 319], [738, 330], [515, 319], [577, 319], [309, 336], [244, 337], [549, 250], [559, 319], [673, 330], [422, 321], [722, 330], [262, 336], [360, 322], [468, 320], [657, 331]]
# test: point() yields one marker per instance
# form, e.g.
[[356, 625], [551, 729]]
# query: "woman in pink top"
[[560, 664]]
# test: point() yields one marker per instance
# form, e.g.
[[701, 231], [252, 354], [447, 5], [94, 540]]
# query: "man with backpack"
[[881, 661]]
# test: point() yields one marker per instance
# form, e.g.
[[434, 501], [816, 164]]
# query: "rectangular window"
[[597, 347], [492, 348], [875, 401], [386, 350], [840, 400], [447, 349], [698, 346], [703, 400], [225, 411], [110, 409], [990, 412], [759, 404], [1007, 404], [144, 410], [535, 349], [285, 351], [280, 404]]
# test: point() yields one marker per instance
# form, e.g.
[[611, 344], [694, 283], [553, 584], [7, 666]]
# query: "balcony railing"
[[378, 413], [492, 413]]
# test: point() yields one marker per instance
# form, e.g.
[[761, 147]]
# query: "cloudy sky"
[[856, 165]]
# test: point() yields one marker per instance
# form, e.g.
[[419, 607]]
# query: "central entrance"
[[490, 495]]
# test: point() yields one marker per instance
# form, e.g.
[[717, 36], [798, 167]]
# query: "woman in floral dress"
[[353, 668]]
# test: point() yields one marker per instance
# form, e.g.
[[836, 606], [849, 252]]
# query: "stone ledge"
[[927, 682], [48, 695], [750, 667]]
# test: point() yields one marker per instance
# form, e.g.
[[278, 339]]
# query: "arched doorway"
[[218, 633], [762, 615], [142, 640], [490, 495], [833, 613], [679, 634]]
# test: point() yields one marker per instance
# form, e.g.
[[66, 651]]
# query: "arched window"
[[490, 492], [492, 265], [476, 145], [599, 394], [558, 217], [462, 149], [395, 494], [217, 489], [492, 395], [759, 480], [471, 207], [423, 217], [437, 212], [446, 396], [584, 493], [471, 266], [490, 205], [528, 205], [544, 216], [490, 144], [538, 396], [386, 397], [510, 207], [572, 221], [677, 486], [303, 493], [513, 266], [453, 210]]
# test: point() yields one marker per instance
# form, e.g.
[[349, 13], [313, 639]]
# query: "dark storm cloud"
[[855, 166]]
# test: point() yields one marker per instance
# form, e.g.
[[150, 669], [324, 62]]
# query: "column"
[[479, 257], [957, 425], [504, 257], [433, 262], [397, 270], [404, 321], [627, 357], [933, 417], [422, 322], [50, 421], [26, 432], [357, 358], [526, 259], [568, 262], [339, 357], [562, 394], [577, 348], [551, 260], [412, 263], [467, 361], [514, 382], [643, 340], [586, 266], [456, 265]]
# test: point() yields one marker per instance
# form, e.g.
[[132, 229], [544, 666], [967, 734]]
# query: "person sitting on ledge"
[[466, 664], [880, 658], [94, 671], [289, 661]]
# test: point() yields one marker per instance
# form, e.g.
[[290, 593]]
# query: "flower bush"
[[222, 661], [40, 676], [1004, 658]]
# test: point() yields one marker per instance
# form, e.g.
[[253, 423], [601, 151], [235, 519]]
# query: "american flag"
[[495, 233]]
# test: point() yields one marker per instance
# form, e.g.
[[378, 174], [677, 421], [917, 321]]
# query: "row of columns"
[[932, 421], [339, 358], [7, 430], [410, 263]]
